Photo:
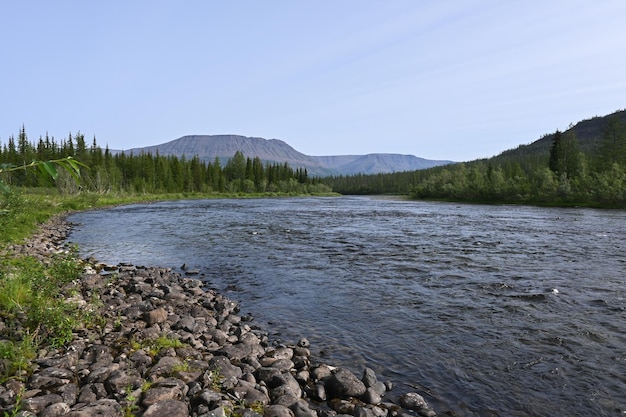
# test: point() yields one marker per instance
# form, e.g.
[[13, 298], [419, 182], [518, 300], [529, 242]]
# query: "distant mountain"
[[376, 163], [209, 147]]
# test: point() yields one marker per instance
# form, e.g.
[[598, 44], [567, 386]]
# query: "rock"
[[277, 410], [248, 393], [321, 372], [121, 381], [230, 373], [301, 409], [208, 397], [55, 410], [164, 367], [284, 384], [69, 393], [344, 384], [369, 377], [155, 395], [39, 403], [100, 408], [156, 316], [412, 401], [360, 411], [371, 396], [169, 408], [91, 393]]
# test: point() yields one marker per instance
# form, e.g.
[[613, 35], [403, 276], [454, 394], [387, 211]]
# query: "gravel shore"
[[166, 346]]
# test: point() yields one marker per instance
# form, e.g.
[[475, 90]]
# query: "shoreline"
[[167, 346]]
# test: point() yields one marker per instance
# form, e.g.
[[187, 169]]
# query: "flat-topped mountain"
[[209, 147]]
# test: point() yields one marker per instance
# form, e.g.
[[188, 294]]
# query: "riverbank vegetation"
[[585, 165], [147, 173]]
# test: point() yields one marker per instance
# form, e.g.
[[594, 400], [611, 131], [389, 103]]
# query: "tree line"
[[559, 173], [149, 173]]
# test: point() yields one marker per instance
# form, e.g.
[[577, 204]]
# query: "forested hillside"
[[586, 164], [150, 173]]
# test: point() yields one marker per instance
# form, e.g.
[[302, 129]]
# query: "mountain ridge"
[[209, 147]]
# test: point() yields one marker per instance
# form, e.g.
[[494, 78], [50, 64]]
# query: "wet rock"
[[415, 402]]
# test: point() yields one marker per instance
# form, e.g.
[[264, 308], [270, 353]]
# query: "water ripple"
[[485, 310]]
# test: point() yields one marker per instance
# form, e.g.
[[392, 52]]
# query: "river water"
[[484, 310]]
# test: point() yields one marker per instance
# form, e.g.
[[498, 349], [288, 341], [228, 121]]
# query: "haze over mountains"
[[208, 147]]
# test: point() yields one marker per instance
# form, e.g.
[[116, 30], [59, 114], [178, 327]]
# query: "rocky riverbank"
[[165, 346]]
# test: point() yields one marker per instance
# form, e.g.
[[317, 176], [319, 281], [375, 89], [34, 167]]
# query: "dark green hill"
[[588, 132]]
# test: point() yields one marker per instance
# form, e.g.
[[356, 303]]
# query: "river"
[[484, 310]]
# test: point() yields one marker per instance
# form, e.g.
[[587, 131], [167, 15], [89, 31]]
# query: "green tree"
[[565, 156], [612, 148]]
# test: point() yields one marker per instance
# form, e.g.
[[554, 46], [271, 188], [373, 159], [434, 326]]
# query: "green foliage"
[[555, 170], [145, 173], [31, 293], [154, 346], [16, 357]]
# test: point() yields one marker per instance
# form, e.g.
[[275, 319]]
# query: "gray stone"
[[156, 316], [187, 323], [360, 411], [39, 403], [412, 401], [283, 365], [230, 373], [286, 400], [247, 392], [266, 373], [208, 397], [100, 372], [100, 408], [164, 367], [369, 377], [301, 409], [217, 412], [280, 353], [92, 392], [69, 393], [344, 384], [321, 372], [284, 384], [155, 395], [120, 381], [169, 408], [277, 410], [371, 396], [55, 410]]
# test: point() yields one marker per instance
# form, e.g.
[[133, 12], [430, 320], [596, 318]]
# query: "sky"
[[439, 79]]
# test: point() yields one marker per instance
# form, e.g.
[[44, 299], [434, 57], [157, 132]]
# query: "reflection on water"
[[487, 310]]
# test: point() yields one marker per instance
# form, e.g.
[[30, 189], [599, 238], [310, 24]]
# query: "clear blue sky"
[[438, 79]]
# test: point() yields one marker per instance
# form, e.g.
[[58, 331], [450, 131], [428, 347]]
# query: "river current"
[[484, 310]]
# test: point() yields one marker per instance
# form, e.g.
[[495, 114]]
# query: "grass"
[[33, 309]]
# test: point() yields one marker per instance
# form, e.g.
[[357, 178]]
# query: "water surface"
[[484, 310]]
